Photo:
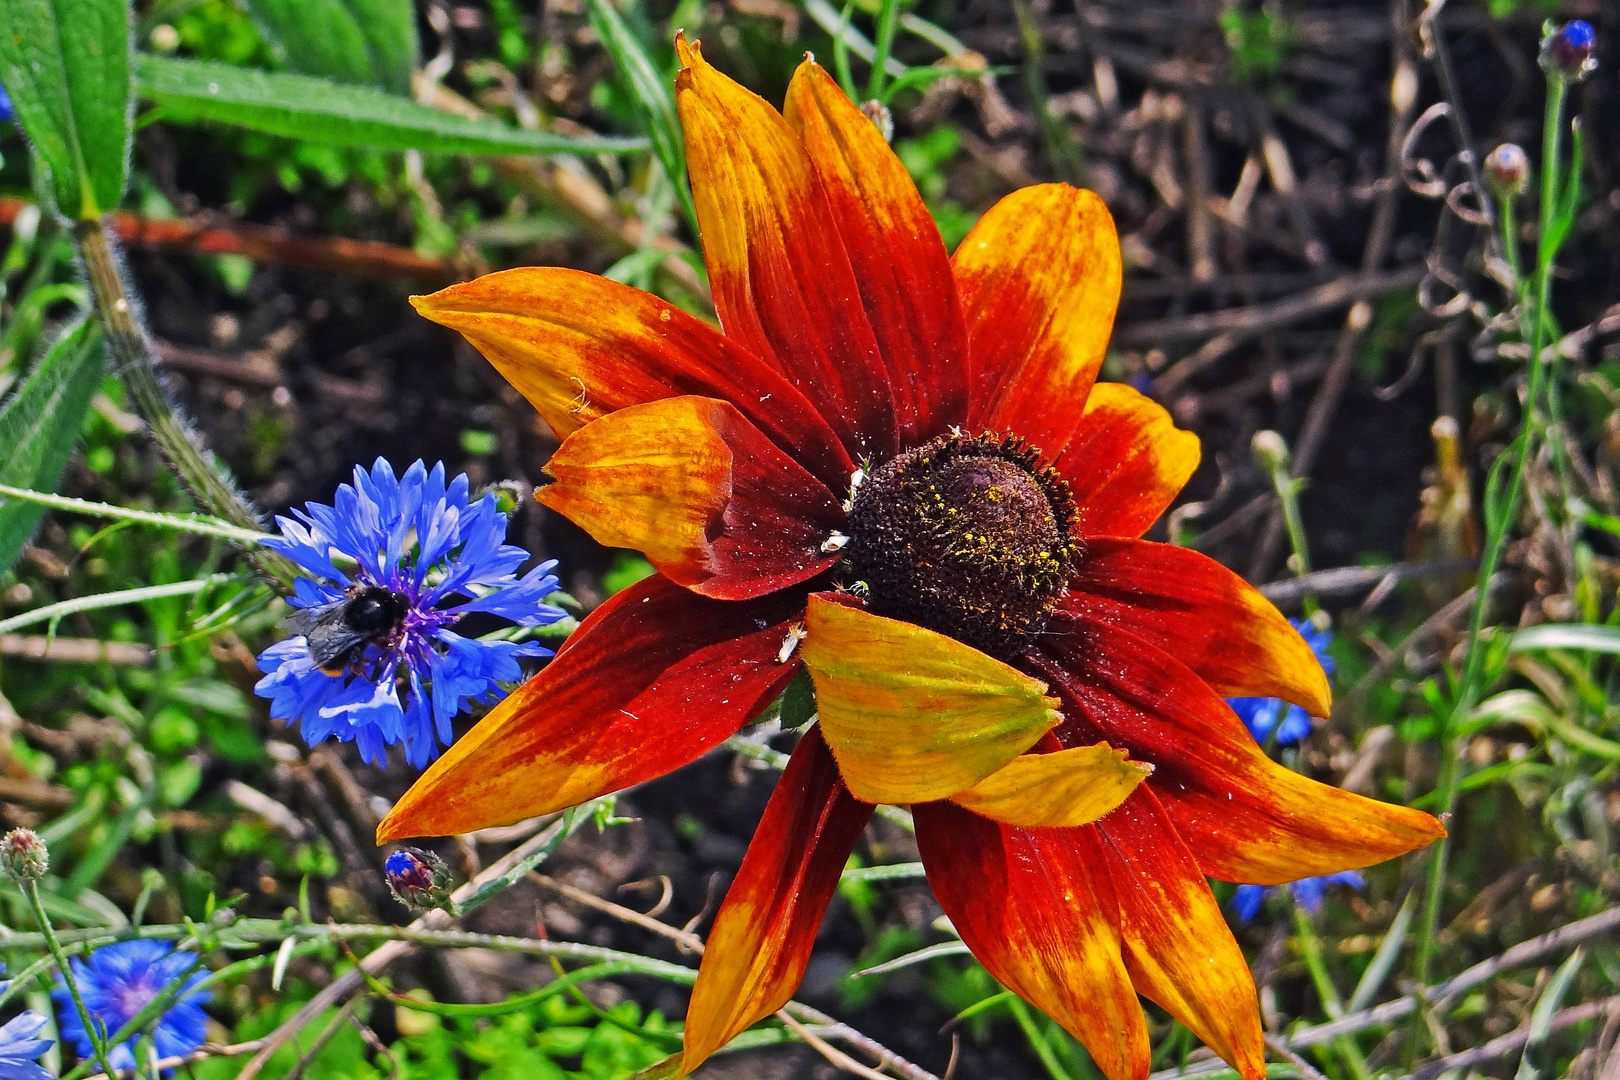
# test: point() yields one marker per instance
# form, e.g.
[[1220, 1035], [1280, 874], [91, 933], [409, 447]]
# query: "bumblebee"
[[340, 631]]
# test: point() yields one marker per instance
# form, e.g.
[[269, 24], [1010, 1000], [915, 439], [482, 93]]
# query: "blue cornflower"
[[1260, 714], [7, 110], [1308, 893], [18, 1047], [407, 546], [118, 982]]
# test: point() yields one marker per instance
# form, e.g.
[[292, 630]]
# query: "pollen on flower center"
[[966, 535]]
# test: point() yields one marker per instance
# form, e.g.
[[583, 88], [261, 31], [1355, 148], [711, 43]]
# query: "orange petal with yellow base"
[[756, 953], [912, 715], [782, 281], [579, 346], [1201, 613], [1125, 463], [651, 680], [896, 251], [1037, 911], [1061, 789], [1178, 948], [1245, 817], [1039, 279], [691, 484]]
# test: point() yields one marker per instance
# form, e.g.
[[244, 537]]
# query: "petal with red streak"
[[910, 714], [579, 346], [757, 951], [1245, 817], [1037, 911], [1178, 948], [1201, 613], [782, 280], [898, 257], [690, 483], [1125, 463], [651, 680], [1039, 279]]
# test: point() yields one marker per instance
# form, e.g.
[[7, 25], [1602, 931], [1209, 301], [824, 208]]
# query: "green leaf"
[[651, 96], [1535, 1064], [41, 424], [364, 42], [65, 64], [319, 111], [1591, 636]]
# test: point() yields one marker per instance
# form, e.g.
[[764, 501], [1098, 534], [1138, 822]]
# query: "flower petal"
[[711, 502], [1244, 816], [760, 944], [579, 346], [782, 281], [912, 715], [1039, 279], [1037, 911], [1178, 948], [1126, 462], [895, 248], [1061, 789], [652, 679], [1201, 613]]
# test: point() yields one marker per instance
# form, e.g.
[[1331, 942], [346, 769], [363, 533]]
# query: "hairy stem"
[[92, 1031], [136, 362]]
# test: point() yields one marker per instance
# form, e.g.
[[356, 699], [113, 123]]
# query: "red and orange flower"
[[989, 639]]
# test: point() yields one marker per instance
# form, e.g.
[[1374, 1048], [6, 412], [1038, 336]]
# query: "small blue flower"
[[1260, 715], [416, 543], [1568, 50], [7, 110], [1309, 893], [118, 982], [19, 1049]]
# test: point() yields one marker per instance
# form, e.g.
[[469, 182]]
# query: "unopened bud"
[[1270, 451], [879, 114], [1567, 51], [1507, 170], [23, 856], [509, 495], [418, 879]]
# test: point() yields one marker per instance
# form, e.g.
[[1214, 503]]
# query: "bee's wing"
[[329, 636]]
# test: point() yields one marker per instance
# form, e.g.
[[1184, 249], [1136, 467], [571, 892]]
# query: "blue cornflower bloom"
[[19, 1049], [7, 110], [1260, 715], [118, 982], [379, 624], [1308, 893]]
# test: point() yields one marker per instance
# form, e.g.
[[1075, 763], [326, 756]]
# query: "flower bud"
[[418, 879], [23, 856], [879, 114], [1507, 171], [1270, 451], [1567, 51]]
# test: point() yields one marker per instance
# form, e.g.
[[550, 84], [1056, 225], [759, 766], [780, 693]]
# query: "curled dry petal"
[[912, 715]]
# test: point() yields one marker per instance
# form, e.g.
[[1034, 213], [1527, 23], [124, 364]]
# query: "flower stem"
[[888, 16], [134, 357], [1310, 948], [1501, 507], [30, 890]]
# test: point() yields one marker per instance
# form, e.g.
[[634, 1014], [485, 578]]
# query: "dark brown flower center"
[[966, 535]]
